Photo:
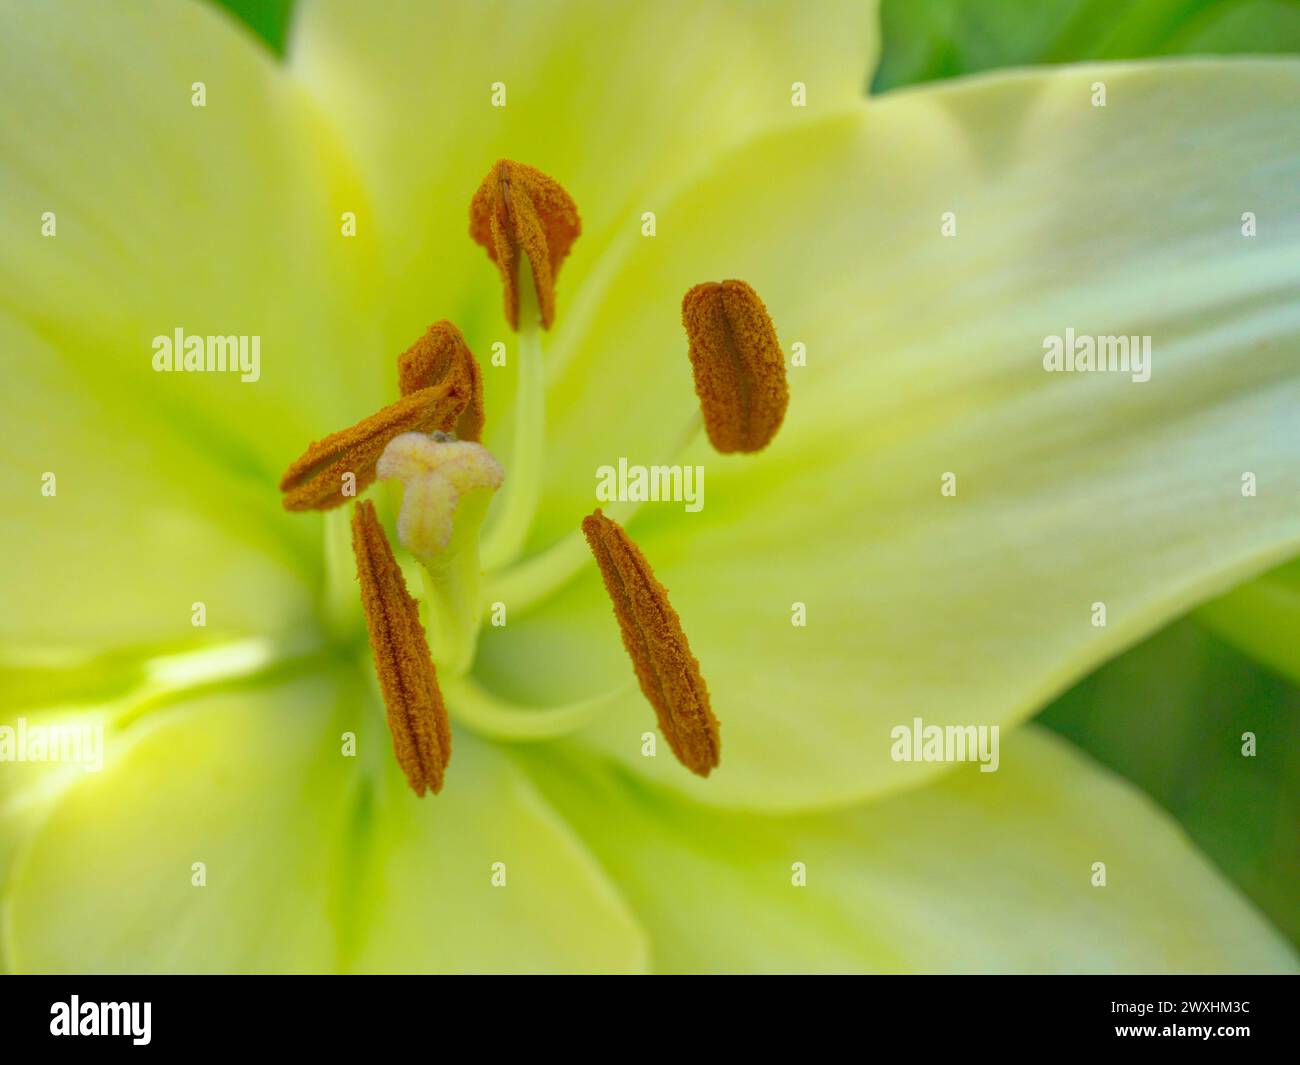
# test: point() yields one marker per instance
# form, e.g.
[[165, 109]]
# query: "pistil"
[[446, 488]]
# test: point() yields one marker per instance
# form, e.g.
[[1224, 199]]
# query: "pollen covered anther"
[[738, 365], [442, 355], [519, 210], [316, 480], [417, 716], [667, 671]]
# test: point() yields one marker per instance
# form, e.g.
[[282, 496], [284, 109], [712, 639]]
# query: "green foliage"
[[1262, 618], [1169, 715], [925, 40], [269, 19]]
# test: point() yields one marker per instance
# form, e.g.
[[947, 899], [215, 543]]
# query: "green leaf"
[[924, 41], [268, 19], [1169, 716], [1262, 618]]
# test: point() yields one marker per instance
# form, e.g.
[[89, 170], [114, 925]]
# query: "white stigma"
[[434, 475]]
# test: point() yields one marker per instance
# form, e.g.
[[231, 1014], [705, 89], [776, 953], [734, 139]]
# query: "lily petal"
[[310, 863], [118, 526], [489, 878], [219, 216], [224, 781], [975, 873], [28, 788], [621, 103], [219, 220], [924, 357]]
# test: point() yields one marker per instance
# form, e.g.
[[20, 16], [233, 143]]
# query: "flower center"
[[428, 442]]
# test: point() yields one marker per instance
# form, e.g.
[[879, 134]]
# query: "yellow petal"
[[494, 880], [123, 530], [221, 220], [311, 860], [979, 872], [620, 103], [924, 357]]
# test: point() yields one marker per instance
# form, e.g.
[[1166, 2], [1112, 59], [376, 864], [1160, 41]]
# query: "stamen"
[[442, 355], [518, 208], [417, 716], [316, 479], [738, 365], [652, 634], [508, 533]]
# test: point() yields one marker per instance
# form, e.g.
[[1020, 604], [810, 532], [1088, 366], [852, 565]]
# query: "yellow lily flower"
[[947, 515]]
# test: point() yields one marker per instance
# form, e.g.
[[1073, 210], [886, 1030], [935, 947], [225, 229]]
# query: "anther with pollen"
[[519, 210], [417, 716], [666, 669], [738, 365], [441, 391], [442, 355]]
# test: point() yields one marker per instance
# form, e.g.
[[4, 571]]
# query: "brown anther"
[[317, 478], [442, 355], [417, 716], [652, 633], [518, 208], [738, 365]]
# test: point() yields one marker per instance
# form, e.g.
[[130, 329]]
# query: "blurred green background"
[[1169, 714]]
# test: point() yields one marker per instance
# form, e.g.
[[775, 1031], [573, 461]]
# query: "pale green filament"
[[504, 541], [500, 719], [531, 582], [536, 579]]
